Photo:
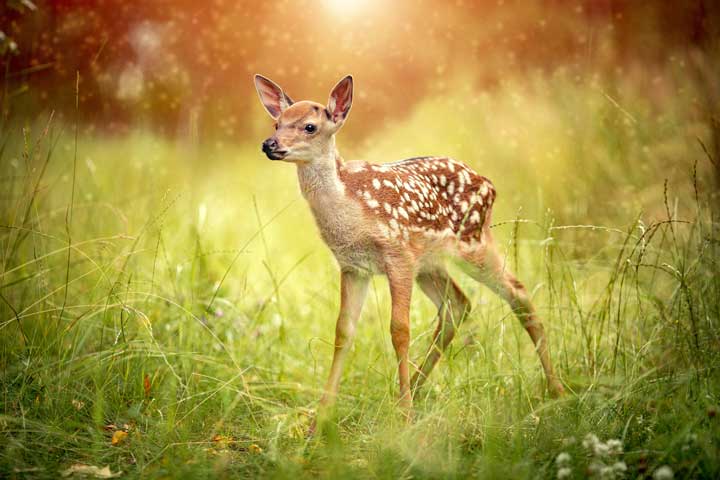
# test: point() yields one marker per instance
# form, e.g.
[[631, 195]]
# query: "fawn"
[[402, 219]]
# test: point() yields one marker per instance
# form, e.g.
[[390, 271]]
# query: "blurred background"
[[183, 68], [159, 275], [504, 84]]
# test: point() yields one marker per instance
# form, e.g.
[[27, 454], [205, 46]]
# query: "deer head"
[[304, 131]]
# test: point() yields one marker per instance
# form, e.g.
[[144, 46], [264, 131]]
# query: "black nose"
[[269, 145]]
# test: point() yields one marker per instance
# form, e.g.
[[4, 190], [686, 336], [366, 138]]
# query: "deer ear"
[[271, 95], [341, 100]]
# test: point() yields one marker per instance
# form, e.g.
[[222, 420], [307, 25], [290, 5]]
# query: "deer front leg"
[[353, 289], [401, 283]]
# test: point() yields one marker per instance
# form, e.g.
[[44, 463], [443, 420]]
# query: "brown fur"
[[425, 196]]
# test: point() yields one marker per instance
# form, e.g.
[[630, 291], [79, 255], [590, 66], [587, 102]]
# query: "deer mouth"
[[276, 154]]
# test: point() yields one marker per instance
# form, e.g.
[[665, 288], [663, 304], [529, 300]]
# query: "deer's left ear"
[[341, 100], [272, 96]]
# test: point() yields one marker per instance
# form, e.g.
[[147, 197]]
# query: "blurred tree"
[[184, 67]]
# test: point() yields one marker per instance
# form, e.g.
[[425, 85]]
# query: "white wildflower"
[[606, 473], [619, 467], [595, 467], [600, 449], [562, 459], [615, 447], [564, 473], [590, 441], [663, 473]]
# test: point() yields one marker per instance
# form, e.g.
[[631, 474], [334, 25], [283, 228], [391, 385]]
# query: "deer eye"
[[310, 128]]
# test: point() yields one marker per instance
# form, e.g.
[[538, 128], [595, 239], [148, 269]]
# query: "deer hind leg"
[[453, 306], [488, 267]]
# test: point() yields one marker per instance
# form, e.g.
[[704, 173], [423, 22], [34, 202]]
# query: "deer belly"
[[358, 258]]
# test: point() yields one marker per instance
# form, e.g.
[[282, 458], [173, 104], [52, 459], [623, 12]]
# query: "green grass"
[[181, 293]]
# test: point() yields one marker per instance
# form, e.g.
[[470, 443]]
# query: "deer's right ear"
[[271, 95]]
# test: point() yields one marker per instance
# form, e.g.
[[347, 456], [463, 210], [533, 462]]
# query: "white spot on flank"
[[387, 207], [463, 206], [402, 212], [388, 183], [393, 224], [372, 203], [483, 189], [376, 183], [443, 180], [475, 217], [451, 188]]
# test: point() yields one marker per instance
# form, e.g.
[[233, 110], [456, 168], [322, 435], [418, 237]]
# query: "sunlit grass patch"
[[189, 304]]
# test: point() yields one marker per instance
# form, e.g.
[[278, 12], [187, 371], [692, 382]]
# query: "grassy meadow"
[[168, 307]]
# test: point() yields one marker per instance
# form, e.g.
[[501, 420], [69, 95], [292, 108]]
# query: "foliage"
[[166, 316], [180, 66]]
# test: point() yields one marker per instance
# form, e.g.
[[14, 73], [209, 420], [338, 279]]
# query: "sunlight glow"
[[346, 7]]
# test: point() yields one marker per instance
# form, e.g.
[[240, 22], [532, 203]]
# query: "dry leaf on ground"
[[118, 437], [147, 385], [224, 441]]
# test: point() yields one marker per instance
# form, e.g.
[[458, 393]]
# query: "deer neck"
[[319, 179]]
